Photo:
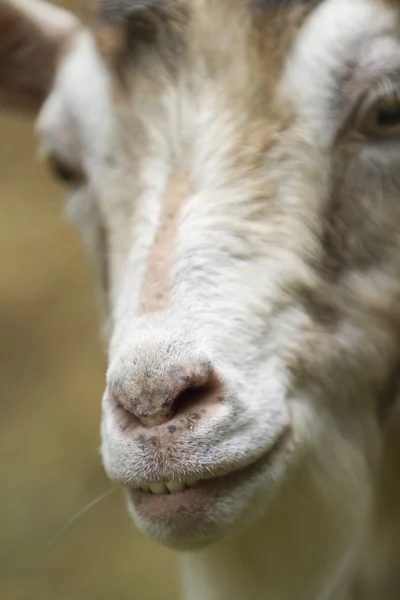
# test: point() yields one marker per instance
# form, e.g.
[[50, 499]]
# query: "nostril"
[[197, 394]]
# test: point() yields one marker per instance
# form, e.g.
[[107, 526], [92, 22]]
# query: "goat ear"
[[32, 33]]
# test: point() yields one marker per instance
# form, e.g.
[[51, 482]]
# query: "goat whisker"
[[80, 513]]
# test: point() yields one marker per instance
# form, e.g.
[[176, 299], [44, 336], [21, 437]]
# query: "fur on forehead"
[[121, 26], [117, 11], [131, 12], [112, 11]]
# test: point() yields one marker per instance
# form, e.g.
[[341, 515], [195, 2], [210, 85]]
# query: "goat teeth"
[[168, 487], [175, 487], [158, 488]]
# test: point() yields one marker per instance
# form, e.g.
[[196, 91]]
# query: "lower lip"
[[168, 506], [195, 500]]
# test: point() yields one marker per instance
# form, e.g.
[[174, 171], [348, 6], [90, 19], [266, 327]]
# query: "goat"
[[233, 167]]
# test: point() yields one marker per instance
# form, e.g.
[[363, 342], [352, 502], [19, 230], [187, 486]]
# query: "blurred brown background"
[[51, 380]]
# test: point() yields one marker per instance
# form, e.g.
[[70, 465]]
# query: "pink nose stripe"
[[156, 288]]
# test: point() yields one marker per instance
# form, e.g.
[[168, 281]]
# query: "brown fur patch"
[[155, 291], [27, 60], [276, 23], [122, 26], [117, 11]]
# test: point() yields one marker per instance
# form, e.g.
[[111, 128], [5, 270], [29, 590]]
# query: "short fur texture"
[[280, 293]]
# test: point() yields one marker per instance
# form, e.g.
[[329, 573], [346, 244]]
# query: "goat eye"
[[382, 118], [67, 174]]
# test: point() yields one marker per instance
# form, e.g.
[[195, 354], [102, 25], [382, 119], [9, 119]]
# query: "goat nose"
[[156, 397]]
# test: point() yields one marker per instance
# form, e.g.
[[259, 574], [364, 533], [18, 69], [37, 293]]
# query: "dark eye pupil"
[[63, 172], [389, 117]]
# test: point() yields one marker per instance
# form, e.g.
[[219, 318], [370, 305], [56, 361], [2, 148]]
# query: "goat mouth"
[[163, 500]]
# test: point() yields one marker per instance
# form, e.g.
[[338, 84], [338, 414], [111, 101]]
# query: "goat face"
[[234, 170]]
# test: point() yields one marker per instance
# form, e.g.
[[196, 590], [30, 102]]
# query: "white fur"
[[247, 252], [320, 50], [50, 18]]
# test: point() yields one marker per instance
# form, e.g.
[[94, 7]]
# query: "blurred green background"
[[51, 381]]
